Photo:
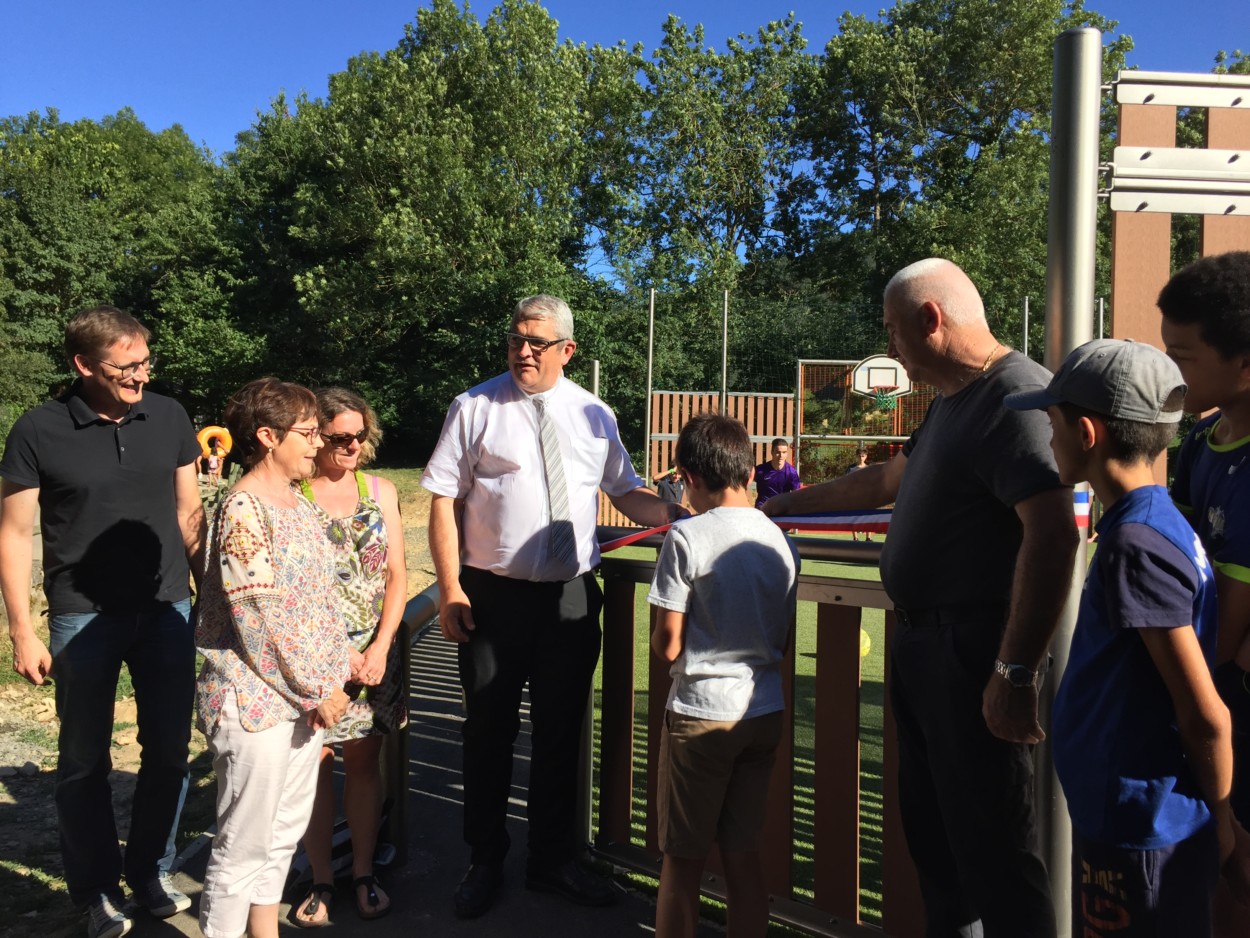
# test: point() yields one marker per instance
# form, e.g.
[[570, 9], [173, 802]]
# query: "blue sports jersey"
[[1210, 490], [1118, 753]]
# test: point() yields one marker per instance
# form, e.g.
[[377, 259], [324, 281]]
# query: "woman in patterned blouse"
[[360, 515], [275, 658]]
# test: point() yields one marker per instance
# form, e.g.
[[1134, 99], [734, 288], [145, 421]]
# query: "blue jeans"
[[88, 649]]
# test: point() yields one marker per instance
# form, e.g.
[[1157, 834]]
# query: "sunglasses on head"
[[344, 440]]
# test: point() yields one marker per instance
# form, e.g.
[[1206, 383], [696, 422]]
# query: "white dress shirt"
[[489, 454]]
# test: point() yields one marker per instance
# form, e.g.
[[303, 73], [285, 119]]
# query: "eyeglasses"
[[311, 434], [129, 371], [344, 440], [537, 346]]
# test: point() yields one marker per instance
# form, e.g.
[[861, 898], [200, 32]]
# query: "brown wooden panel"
[[1227, 129], [1141, 244], [837, 760], [617, 721], [902, 906]]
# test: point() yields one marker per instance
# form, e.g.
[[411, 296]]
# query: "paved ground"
[[421, 889]]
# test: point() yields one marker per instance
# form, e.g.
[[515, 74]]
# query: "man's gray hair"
[[945, 283], [545, 306]]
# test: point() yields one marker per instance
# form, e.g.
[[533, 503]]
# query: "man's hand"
[[31, 658], [1011, 712], [455, 615]]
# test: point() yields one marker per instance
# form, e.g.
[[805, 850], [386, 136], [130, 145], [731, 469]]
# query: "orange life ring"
[[219, 435]]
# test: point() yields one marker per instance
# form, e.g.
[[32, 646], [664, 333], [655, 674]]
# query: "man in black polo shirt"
[[112, 472]]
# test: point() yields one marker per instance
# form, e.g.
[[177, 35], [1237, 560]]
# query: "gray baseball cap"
[[1114, 377]]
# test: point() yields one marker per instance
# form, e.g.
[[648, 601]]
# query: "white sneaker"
[[159, 897], [105, 919]]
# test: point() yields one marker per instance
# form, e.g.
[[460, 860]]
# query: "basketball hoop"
[[885, 397]]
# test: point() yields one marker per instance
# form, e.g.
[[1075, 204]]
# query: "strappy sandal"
[[312, 905], [372, 910]]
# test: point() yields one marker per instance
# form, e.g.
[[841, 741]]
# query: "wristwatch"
[[1017, 675]]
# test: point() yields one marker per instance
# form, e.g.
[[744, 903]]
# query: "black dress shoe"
[[476, 892], [573, 881]]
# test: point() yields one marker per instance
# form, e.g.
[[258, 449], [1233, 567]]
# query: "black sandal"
[[371, 897], [312, 905]]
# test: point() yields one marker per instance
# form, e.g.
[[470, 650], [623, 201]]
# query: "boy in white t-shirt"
[[726, 586]]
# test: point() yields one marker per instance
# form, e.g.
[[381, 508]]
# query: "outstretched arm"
[[871, 487]]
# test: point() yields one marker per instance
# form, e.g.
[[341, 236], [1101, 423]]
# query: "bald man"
[[977, 563]]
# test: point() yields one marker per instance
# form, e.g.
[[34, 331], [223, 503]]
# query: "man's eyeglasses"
[[344, 440], [129, 371], [537, 346], [311, 434]]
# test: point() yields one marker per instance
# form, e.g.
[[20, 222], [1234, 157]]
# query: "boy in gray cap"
[[1142, 742]]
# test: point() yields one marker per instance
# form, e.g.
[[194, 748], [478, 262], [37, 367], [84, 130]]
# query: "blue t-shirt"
[[1211, 491], [1118, 752]]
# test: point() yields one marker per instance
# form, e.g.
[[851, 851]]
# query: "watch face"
[[1020, 676]]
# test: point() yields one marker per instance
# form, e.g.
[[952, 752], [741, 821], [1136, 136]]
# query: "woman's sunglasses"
[[344, 440]]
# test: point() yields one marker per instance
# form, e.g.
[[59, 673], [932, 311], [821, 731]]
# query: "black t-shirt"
[[954, 533], [111, 540]]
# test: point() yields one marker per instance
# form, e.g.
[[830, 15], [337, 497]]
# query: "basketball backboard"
[[880, 374]]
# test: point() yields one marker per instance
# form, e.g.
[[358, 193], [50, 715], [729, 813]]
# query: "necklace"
[[990, 357]]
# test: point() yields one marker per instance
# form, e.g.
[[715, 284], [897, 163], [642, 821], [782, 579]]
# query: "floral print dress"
[[360, 552]]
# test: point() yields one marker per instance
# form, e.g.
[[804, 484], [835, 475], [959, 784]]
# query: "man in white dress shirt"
[[515, 479]]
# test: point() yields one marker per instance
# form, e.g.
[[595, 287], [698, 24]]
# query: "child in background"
[[777, 475], [1142, 743], [726, 585]]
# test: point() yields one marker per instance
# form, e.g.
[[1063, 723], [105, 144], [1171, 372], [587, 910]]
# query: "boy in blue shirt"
[[725, 586], [1142, 742], [1206, 330]]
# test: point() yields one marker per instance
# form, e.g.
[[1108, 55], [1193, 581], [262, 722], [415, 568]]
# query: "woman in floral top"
[[360, 515], [275, 658]]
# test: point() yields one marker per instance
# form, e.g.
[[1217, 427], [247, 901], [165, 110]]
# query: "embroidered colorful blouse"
[[269, 625]]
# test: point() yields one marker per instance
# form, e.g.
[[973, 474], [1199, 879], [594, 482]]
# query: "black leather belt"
[[951, 614]]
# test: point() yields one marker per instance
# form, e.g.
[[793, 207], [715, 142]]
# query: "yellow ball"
[[865, 643]]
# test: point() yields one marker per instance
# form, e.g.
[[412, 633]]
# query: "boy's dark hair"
[[1214, 293], [716, 449], [1131, 441], [779, 441]]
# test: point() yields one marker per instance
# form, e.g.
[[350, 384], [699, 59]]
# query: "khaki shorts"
[[714, 781]]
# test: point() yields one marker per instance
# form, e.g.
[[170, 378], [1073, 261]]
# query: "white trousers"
[[266, 783]]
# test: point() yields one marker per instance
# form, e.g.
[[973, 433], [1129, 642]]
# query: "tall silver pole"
[[586, 758], [1026, 328], [1101, 322], [1069, 322], [724, 356], [646, 429]]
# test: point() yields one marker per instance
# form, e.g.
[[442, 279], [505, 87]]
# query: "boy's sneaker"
[[159, 897], [105, 919]]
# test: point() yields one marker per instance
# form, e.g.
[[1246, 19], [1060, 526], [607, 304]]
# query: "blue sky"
[[212, 66]]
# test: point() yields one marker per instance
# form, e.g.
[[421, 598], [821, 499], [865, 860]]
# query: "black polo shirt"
[[111, 540]]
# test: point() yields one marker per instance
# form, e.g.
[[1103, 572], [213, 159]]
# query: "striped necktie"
[[562, 546]]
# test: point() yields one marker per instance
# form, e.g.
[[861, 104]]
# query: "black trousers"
[[547, 634], [966, 797]]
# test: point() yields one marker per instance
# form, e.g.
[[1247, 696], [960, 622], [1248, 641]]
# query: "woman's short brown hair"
[[334, 401], [90, 331], [265, 402]]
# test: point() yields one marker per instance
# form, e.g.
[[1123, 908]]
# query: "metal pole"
[[724, 357], [646, 430], [1101, 330], [1026, 327], [1069, 322]]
